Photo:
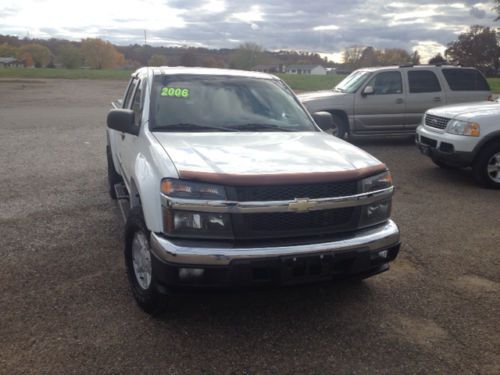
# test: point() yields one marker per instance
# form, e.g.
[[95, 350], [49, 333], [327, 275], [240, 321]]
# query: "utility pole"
[[145, 38]]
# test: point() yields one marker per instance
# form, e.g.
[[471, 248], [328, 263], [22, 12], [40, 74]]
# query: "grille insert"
[[290, 192], [436, 121]]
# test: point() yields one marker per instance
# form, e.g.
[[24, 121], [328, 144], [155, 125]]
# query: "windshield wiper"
[[337, 89], [190, 127], [259, 126]]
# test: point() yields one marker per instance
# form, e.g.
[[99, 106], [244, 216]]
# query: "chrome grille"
[[436, 121]]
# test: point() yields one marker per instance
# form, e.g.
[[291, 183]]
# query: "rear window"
[[423, 81], [465, 80]]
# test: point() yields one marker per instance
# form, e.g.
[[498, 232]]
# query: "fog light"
[[383, 254], [190, 273]]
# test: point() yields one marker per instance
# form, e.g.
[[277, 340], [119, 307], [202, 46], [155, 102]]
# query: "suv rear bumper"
[[366, 253]]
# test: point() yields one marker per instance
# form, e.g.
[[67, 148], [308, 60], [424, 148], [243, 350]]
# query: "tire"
[[486, 167], [443, 164], [113, 176], [339, 128], [138, 264]]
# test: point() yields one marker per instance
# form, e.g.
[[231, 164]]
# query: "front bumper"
[[453, 149], [365, 253]]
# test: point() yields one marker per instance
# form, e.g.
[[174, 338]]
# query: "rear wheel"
[[113, 176], [138, 262], [486, 168], [339, 127]]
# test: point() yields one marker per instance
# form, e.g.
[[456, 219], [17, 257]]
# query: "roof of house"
[[303, 66], [8, 60]]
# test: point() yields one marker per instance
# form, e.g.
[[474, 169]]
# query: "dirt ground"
[[65, 306]]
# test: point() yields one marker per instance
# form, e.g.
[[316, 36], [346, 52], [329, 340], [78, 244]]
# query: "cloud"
[[326, 26]]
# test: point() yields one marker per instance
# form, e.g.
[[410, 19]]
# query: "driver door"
[[382, 107]]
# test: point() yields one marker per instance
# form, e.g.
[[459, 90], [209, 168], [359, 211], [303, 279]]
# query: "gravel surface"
[[65, 306]]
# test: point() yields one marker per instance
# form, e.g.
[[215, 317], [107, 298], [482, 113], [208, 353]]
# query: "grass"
[[65, 73], [296, 82]]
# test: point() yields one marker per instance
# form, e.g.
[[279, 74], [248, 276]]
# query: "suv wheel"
[[113, 176], [138, 264], [339, 127], [486, 168]]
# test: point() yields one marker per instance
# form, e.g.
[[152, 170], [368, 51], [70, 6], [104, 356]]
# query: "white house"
[[306, 69]]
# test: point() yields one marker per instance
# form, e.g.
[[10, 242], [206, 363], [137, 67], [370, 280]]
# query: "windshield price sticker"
[[175, 92]]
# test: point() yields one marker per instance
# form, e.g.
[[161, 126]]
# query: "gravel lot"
[[65, 306]]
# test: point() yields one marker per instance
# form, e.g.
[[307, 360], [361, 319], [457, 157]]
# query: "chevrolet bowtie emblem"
[[301, 205]]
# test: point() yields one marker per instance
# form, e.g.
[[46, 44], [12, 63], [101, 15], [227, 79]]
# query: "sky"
[[323, 26]]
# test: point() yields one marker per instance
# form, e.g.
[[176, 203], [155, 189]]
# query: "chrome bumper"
[[373, 239]]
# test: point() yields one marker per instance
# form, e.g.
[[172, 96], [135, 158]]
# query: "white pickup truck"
[[225, 180]]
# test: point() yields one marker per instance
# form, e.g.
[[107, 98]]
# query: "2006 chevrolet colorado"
[[225, 180]]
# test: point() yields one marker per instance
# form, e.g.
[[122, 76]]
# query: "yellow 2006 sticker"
[[176, 92]]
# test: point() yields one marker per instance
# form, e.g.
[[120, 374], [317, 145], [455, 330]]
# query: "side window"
[[137, 104], [465, 80], [130, 92], [387, 83], [423, 81]]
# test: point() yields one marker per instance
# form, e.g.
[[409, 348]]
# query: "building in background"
[[10, 62], [306, 69]]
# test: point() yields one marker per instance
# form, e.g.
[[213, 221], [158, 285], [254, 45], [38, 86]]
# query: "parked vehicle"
[[461, 136], [392, 100], [225, 180]]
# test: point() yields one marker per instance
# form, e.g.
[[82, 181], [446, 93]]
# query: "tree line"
[[99, 54]]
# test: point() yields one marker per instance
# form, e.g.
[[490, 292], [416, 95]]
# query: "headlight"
[[471, 129], [377, 182], [197, 224], [191, 190]]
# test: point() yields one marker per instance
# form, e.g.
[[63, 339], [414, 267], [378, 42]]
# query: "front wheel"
[[486, 168], [139, 265], [339, 127]]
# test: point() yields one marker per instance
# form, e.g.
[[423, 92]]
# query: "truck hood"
[[259, 158], [319, 95], [468, 111]]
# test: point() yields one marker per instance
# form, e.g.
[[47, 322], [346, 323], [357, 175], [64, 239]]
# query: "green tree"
[[158, 60], [7, 50], [99, 54], [41, 55], [247, 56], [477, 47], [69, 56], [437, 60], [189, 58]]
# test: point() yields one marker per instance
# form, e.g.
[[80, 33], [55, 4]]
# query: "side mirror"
[[368, 90], [122, 120], [323, 119]]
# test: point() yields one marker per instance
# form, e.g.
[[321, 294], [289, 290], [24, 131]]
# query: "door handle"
[[399, 101], [436, 99]]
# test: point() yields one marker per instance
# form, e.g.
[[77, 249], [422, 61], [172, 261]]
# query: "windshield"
[[353, 81], [202, 103]]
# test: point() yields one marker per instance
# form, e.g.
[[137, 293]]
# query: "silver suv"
[[392, 100]]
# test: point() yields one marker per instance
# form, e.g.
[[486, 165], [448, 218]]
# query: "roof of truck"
[[168, 70]]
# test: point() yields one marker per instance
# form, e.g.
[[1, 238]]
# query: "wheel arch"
[[343, 115], [489, 139]]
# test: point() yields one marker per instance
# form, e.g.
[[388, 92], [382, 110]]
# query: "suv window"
[[137, 104], [423, 81], [387, 83], [465, 80]]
